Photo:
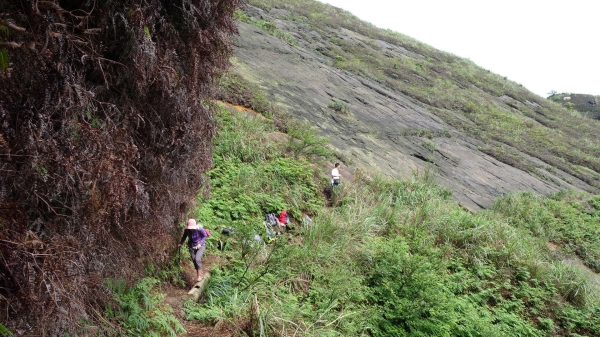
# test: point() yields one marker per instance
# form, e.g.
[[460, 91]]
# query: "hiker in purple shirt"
[[196, 243]]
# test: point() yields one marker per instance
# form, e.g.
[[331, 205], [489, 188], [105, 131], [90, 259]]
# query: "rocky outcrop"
[[382, 130]]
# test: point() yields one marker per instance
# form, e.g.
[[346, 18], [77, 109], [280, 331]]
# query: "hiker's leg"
[[199, 254], [193, 256], [198, 261]]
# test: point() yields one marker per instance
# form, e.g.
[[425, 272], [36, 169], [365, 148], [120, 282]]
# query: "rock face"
[[382, 131]]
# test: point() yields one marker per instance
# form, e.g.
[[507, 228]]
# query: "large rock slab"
[[379, 133]]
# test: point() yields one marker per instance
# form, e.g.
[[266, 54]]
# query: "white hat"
[[191, 224]]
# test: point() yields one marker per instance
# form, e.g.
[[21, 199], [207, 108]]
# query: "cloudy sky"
[[543, 45]]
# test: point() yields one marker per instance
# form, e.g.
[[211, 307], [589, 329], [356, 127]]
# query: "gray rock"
[[371, 134]]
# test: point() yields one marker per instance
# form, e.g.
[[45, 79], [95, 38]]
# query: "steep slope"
[[387, 257], [397, 120]]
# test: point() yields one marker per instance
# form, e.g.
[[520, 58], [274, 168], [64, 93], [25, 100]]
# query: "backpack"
[[271, 235], [271, 219]]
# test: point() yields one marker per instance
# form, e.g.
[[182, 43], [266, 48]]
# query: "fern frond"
[[3, 59], [4, 30]]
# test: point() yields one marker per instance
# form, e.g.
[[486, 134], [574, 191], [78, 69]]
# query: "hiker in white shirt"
[[335, 175]]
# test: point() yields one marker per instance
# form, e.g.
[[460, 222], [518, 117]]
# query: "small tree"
[[304, 140]]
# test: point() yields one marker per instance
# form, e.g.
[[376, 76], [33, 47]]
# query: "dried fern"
[[3, 142], [109, 139]]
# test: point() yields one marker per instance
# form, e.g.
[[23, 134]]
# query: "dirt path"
[[244, 110], [176, 297]]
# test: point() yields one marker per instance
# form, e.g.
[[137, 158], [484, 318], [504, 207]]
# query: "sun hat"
[[191, 224]]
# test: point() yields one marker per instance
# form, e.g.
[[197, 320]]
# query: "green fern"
[[3, 52], [3, 59], [141, 310], [4, 331]]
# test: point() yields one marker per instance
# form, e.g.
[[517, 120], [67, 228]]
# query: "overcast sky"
[[543, 45]]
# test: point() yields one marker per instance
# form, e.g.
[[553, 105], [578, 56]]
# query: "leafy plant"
[[140, 309], [267, 26], [387, 258], [4, 331], [251, 178], [390, 257], [563, 219]]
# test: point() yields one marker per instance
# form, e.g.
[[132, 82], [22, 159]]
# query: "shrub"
[[560, 219], [305, 141], [429, 145], [4, 331], [339, 107], [251, 178]]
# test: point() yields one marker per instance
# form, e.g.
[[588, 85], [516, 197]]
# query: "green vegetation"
[[426, 133], [569, 220], [477, 102], [589, 105], [265, 25], [3, 52], [388, 258], [253, 176], [140, 310], [429, 144], [4, 331], [303, 140], [338, 107], [235, 89]]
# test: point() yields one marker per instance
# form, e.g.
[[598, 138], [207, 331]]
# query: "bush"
[[339, 107], [389, 258], [304, 141]]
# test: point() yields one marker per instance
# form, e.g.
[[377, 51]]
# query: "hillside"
[[119, 120], [588, 104], [391, 104], [385, 257]]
